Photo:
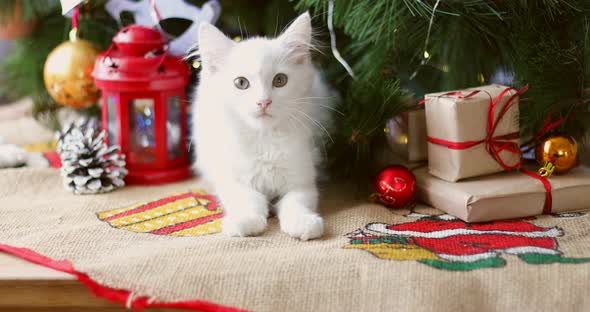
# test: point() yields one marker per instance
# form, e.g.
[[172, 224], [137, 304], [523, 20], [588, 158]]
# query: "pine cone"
[[89, 166]]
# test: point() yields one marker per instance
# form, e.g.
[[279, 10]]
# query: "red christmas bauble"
[[395, 186]]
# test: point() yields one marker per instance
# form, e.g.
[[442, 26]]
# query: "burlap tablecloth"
[[370, 259]]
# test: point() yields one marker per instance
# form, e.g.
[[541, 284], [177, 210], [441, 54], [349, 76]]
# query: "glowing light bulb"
[[402, 139]]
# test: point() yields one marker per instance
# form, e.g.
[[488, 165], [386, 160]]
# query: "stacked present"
[[475, 169]]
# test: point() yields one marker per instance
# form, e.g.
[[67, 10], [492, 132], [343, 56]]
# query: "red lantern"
[[143, 105]]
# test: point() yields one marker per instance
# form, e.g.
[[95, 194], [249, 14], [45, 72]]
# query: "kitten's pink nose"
[[264, 104]]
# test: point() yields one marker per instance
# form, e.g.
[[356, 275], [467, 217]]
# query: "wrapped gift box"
[[504, 195], [461, 121], [406, 136]]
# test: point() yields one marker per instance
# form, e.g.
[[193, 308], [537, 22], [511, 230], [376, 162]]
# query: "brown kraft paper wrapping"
[[455, 119], [504, 195]]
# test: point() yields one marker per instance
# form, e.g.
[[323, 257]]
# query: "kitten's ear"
[[297, 37], [213, 46]]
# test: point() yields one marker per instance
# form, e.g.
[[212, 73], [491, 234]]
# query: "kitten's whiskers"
[[314, 121], [310, 133], [295, 102]]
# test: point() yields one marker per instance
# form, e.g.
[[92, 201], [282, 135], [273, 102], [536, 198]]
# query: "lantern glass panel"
[[142, 137], [173, 127], [112, 121]]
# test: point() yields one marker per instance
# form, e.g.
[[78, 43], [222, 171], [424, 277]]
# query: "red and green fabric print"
[[454, 245]]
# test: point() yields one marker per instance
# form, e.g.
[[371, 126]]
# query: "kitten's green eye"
[[279, 81], [241, 83]]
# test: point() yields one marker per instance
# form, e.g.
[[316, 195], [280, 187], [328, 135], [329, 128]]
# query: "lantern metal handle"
[[160, 62]]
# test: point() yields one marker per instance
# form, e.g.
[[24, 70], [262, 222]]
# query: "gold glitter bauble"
[[559, 150], [68, 74]]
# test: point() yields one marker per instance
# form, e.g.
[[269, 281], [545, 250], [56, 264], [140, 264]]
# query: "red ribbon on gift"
[[548, 206], [548, 125], [495, 144]]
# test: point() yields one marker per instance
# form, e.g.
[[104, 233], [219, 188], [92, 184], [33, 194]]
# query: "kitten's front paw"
[[244, 225], [303, 226]]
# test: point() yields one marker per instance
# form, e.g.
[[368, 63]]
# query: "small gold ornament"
[[68, 73], [559, 150], [547, 170]]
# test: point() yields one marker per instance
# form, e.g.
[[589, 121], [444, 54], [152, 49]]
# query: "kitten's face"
[[261, 81]]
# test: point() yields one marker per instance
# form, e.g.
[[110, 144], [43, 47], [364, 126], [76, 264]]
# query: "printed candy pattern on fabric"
[[194, 213], [446, 243]]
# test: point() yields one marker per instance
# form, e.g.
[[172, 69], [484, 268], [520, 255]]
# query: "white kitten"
[[259, 117]]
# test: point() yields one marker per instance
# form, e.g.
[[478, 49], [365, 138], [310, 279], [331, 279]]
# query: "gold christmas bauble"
[[68, 74], [559, 150]]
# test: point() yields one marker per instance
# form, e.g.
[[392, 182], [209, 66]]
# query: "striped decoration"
[[194, 213]]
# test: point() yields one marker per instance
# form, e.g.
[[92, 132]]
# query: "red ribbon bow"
[[495, 144]]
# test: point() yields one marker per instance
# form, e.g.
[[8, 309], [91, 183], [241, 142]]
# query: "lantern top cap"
[[138, 40]]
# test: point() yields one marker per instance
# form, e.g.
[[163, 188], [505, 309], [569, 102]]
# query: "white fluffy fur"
[[261, 163]]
